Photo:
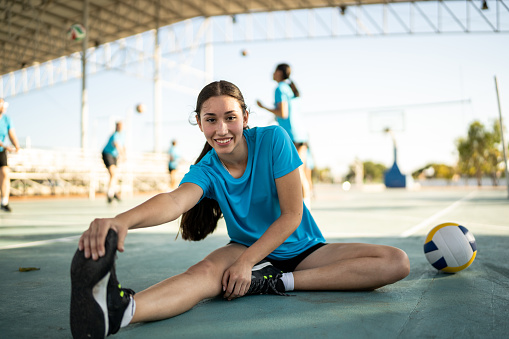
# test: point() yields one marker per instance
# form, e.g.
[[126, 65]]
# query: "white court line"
[[42, 242], [435, 216]]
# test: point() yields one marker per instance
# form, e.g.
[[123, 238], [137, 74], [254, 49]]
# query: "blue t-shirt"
[[5, 126], [250, 203], [110, 148], [292, 124]]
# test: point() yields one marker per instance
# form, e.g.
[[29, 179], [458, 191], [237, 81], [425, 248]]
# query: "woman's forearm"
[[273, 237]]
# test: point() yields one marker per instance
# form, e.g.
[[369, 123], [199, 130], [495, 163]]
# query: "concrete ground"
[[473, 303]]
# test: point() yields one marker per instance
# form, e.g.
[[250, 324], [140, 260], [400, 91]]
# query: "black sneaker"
[[118, 300], [265, 279], [116, 197], [5, 208], [110, 199], [96, 298]]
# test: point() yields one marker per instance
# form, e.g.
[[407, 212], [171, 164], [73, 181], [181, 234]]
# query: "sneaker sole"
[[261, 265], [89, 316]]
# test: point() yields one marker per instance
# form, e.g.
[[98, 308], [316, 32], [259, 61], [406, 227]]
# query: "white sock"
[[5, 201], [129, 313], [288, 281], [111, 192]]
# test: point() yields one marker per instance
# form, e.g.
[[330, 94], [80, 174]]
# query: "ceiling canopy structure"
[[34, 31]]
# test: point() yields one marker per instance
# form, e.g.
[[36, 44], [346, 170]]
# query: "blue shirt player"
[[173, 162], [6, 130], [112, 151], [286, 100], [251, 177]]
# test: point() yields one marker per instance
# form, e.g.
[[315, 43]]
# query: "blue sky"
[[345, 83]]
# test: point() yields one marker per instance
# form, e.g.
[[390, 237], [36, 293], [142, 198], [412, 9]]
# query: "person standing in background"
[[173, 162], [6, 129], [286, 112], [113, 150]]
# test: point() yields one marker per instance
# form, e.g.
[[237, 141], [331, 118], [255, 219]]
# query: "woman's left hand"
[[236, 280]]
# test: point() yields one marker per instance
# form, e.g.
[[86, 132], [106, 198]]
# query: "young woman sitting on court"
[[251, 178]]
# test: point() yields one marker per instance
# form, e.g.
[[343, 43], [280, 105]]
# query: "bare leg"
[[180, 293], [5, 184], [306, 189], [173, 179], [112, 170], [351, 267], [309, 177]]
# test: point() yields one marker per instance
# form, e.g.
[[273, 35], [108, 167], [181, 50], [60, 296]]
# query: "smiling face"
[[222, 121]]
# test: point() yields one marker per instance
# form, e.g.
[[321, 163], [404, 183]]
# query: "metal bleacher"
[[41, 172]]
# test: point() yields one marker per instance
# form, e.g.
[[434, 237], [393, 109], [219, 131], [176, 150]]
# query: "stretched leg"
[[180, 293], [351, 267], [173, 179]]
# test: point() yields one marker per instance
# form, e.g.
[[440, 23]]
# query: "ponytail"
[[294, 88], [201, 220]]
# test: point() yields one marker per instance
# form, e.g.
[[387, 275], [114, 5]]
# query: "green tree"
[[480, 152], [440, 171], [373, 172], [494, 153]]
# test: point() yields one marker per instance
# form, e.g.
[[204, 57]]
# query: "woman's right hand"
[[259, 103], [93, 239]]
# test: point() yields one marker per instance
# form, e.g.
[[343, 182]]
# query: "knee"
[[398, 261], [204, 269]]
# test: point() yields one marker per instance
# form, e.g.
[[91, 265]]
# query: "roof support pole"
[[502, 136], [157, 85], [209, 54], [84, 95]]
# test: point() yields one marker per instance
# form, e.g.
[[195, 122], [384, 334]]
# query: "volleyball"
[[140, 108], [76, 32], [450, 247]]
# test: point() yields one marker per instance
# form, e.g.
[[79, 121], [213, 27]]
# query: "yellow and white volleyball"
[[140, 108], [76, 32], [450, 247]]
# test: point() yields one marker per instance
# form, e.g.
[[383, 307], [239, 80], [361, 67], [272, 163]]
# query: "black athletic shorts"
[[3, 158], [289, 265], [109, 160]]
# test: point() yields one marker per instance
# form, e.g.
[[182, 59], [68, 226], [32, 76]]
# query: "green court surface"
[[473, 303]]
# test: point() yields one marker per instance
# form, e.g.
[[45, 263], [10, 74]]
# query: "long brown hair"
[[201, 220]]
